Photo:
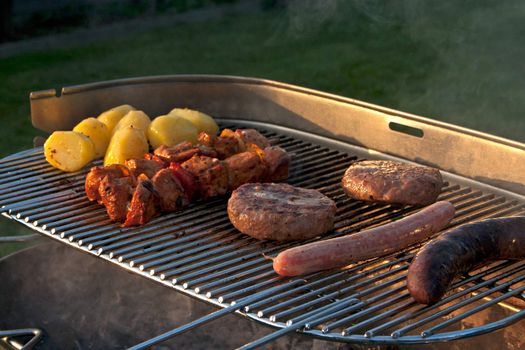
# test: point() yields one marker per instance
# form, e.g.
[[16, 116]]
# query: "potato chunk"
[[170, 130], [69, 150], [98, 133], [201, 121], [136, 119], [126, 143], [112, 116]]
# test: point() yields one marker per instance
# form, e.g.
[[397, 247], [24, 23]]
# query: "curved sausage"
[[378, 241], [459, 250]]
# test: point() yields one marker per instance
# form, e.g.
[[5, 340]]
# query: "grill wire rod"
[[199, 253]]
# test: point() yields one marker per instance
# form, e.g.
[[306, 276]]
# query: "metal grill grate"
[[197, 251]]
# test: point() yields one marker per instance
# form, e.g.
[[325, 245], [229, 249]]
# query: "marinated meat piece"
[[280, 211], [392, 182], [143, 166], [170, 191], [115, 193], [227, 146], [232, 142], [182, 152], [143, 204], [278, 162], [162, 162], [243, 168], [97, 173], [186, 179], [253, 136], [206, 151], [206, 139], [210, 175], [177, 153]]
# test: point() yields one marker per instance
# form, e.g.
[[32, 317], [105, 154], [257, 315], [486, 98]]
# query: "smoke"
[[480, 62], [462, 62], [307, 17]]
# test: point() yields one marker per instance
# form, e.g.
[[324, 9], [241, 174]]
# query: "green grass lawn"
[[460, 62]]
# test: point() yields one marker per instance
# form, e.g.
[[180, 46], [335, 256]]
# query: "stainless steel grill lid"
[[198, 252]]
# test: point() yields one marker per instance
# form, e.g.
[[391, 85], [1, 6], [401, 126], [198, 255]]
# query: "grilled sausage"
[[378, 241], [459, 250]]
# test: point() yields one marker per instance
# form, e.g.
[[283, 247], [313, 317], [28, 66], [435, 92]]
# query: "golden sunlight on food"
[[69, 150], [112, 116], [136, 119], [126, 143], [123, 133], [97, 132], [201, 121], [169, 130]]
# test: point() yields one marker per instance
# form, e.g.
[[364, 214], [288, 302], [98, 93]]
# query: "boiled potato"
[[97, 131], [127, 142], [112, 117], [169, 130], [69, 150], [137, 119], [201, 121]]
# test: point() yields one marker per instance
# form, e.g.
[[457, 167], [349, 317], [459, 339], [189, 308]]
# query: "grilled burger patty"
[[392, 182], [280, 211]]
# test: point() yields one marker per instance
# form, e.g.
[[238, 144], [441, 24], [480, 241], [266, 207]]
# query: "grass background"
[[460, 62]]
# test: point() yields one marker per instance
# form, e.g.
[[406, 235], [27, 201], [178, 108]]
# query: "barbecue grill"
[[197, 252]]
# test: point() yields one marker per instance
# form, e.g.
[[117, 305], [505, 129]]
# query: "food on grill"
[[182, 152], [211, 177], [115, 193], [97, 131], [170, 130], [69, 150], [244, 168], [148, 167], [187, 181], [280, 211], [173, 176], [95, 176], [143, 204], [278, 163], [170, 191], [252, 136], [372, 243], [135, 119], [126, 143], [226, 144], [461, 249], [112, 116], [201, 121], [392, 182]]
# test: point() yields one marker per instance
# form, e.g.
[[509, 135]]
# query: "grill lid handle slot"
[[406, 129]]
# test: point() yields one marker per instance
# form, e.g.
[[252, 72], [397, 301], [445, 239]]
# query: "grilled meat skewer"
[[134, 193]]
